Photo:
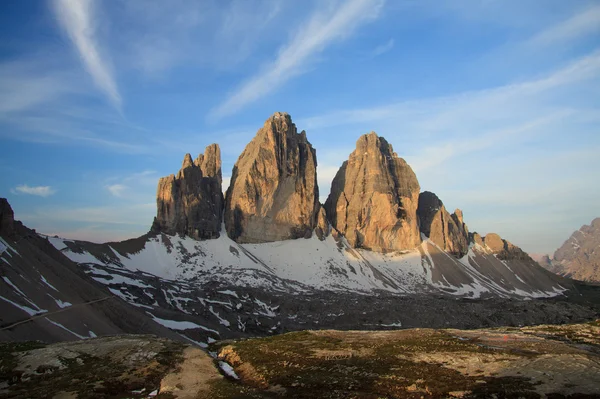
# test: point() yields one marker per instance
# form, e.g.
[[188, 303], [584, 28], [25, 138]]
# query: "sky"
[[494, 103]]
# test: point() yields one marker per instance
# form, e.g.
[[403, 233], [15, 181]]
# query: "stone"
[[447, 231], [322, 229], [502, 248], [191, 202], [374, 198], [273, 194]]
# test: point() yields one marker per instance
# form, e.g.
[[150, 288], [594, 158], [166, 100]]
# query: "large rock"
[[500, 247], [374, 197], [7, 217], [447, 231], [273, 193], [191, 203]]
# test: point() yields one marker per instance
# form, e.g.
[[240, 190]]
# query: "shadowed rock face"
[[191, 203], [7, 217], [447, 231], [273, 193], [374, 197]]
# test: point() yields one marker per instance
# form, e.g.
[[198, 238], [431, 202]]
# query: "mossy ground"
[[358, 365], [85, 375]]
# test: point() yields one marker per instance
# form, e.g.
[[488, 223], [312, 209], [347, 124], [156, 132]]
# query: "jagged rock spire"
[[191, 203]]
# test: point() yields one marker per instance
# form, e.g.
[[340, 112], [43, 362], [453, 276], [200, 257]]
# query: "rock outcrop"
[[191, 203], [579, 256], [7, 217], [374, 197], [500, 247], [448, 232], [273, 194]]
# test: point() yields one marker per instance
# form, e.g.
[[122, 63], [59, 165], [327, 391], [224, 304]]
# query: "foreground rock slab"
[[127, 366]]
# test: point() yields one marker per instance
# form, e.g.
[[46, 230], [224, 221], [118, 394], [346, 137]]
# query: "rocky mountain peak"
[[7, 217], [500, 247], [446, 231], [579, 256], [374, 197], [187, 161], [191, 202], [273, 194]]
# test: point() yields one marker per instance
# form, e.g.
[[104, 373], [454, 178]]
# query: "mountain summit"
[[374, 197], [273, 193]]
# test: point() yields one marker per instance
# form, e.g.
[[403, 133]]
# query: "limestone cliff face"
[[191, 203], [447, 231], [273, 194], [374, 197]]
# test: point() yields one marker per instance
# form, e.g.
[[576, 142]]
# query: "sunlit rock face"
[[191, 202], [579, 256], [273, 193], [374, 197]]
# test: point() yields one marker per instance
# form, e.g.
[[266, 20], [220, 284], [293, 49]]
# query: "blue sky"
[[495, 103]]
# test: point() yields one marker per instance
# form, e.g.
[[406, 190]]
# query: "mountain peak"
[[273, 193], [374, 197]]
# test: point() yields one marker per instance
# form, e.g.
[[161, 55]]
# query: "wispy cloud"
[[40, 191], [383, 48], [583, 23], [325, 27], [78, 20], [116, 189]]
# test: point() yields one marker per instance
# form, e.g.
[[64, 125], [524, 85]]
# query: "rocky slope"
[[45, 296], [374, 198], [579, 256], [448, 232], [273, 194], [191, 202], [530, 362]]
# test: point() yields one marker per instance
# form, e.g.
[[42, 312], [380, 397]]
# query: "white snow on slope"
[[28, 310], [178, 325], [6, 245], [328, 265], [91, 333], [47, 283]]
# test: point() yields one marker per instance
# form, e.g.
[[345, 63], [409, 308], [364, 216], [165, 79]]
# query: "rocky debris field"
[[531, 362]]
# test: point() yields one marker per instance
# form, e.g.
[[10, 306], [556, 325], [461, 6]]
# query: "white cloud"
[[40, 191], [583, 23], [78, 20], [116, 189], [325, 27], [133, 214], [383, 48]]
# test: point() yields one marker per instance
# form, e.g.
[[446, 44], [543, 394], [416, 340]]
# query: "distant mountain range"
[[579, 256], [268, 257]]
